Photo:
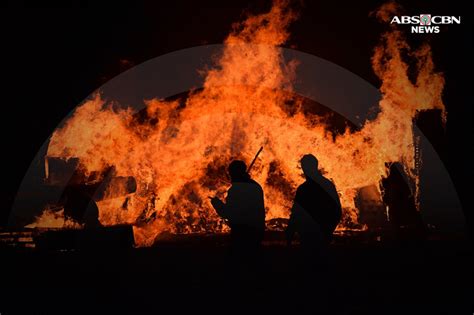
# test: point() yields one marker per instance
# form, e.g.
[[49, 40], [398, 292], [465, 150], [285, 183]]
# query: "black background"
[[53, 56]]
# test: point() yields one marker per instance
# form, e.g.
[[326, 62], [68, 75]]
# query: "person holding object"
[[243, 209]]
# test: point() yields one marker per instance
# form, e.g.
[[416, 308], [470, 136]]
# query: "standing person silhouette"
[[243, 209], [316, 209]]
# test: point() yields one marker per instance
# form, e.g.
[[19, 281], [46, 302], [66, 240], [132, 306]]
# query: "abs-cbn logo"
[[426, 23]]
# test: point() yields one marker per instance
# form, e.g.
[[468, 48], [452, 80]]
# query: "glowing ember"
[[178, 154]]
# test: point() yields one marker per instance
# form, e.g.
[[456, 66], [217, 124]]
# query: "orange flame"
[[178, 154], [53, 219]]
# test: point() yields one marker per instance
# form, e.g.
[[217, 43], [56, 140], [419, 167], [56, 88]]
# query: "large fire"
[[178, 153]]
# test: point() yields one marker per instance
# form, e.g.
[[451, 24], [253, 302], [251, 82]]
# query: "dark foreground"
[[195, 277]]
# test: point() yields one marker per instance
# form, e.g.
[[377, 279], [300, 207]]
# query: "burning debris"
[[155, 168]]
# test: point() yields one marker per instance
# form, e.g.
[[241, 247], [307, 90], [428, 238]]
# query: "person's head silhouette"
[[238, 171], [309, 165]]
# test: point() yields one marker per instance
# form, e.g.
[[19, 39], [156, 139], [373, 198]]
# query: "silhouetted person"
[[79, 206], [403, 214], [316, 209], [243, 209]]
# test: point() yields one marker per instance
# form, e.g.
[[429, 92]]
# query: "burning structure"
[[154, 168]]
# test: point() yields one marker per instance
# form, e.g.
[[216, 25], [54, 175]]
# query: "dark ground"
[[431, 277]]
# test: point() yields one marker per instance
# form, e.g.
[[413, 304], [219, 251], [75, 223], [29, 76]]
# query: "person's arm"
[[219, 206], [225, 210], [232, 202], [290, 229]]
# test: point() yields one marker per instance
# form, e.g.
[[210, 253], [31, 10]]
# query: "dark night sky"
[[52, 59]]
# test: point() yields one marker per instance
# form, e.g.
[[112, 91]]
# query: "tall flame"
[[178, 154]]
